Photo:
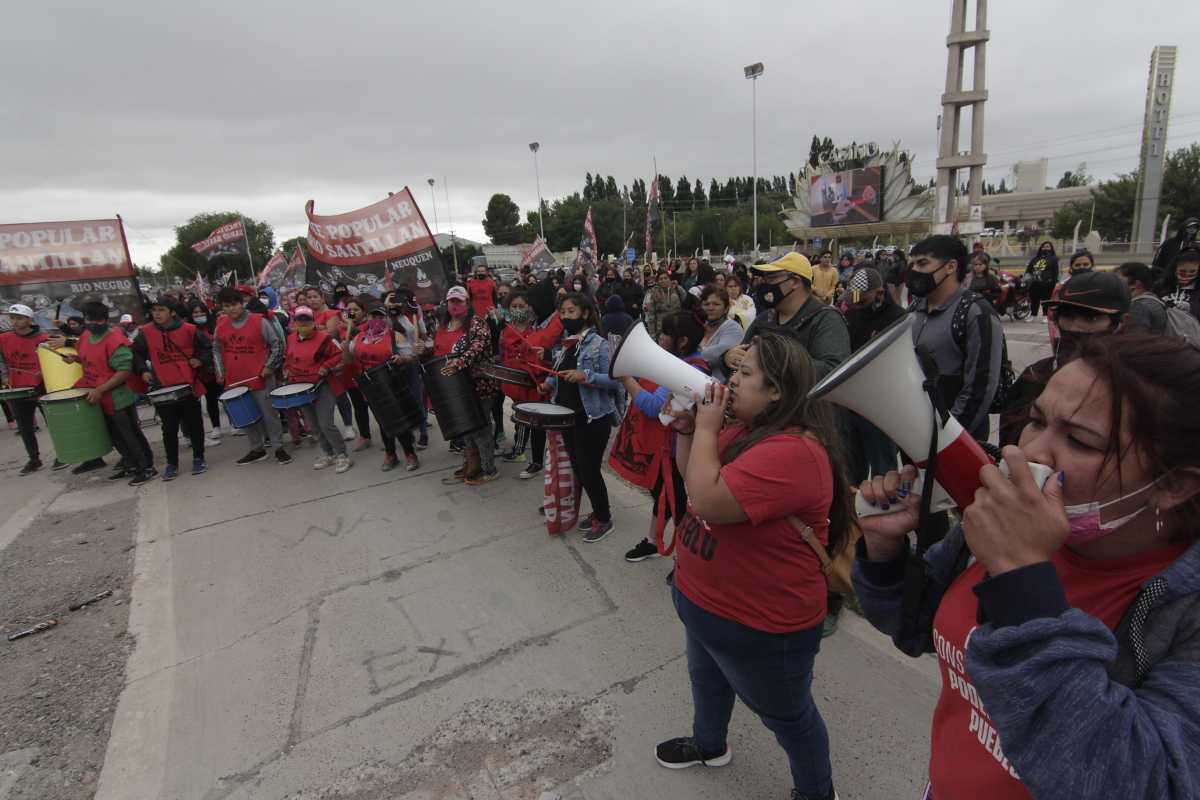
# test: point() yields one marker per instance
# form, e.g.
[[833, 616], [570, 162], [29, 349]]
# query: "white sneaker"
[[322, 462], [343, 463], [214, 437], [239, 431], [348, 434]]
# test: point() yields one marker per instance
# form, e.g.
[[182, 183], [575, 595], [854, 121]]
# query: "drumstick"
[[239, 383], [552, 372], [45, 346]]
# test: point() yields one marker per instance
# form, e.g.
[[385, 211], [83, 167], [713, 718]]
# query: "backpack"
[[1179, 322], [958, 328]]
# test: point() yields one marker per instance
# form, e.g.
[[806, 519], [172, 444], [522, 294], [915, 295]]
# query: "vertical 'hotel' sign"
[[1154, 143]]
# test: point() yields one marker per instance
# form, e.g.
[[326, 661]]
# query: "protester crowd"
[[1063, 617]]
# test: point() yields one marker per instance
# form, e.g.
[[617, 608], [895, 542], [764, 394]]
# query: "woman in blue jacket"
[[1066, 620], [596, 399]]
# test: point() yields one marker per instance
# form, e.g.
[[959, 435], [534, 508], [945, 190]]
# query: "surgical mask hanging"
[[1086, 522]]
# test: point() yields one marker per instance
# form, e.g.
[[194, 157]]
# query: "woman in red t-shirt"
[[524, 346], [749, 590], [330, 320], [1068, 642]]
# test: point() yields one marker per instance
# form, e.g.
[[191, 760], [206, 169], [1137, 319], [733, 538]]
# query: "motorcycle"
[[1014, 296]]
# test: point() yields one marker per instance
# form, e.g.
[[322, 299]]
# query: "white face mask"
[[1086, 522]]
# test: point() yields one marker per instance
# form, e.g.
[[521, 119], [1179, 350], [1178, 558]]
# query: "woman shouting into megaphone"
[[1066, 620]]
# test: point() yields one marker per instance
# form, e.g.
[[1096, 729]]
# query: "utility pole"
[[533, 148], [752, 73]]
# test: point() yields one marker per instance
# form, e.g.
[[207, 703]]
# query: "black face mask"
[[572, 326], [98, 328], [920, 284], [769, 295]]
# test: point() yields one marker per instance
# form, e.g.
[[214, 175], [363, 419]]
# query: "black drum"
[[388, 395], [455, 403]]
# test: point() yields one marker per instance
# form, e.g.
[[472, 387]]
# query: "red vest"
[[369, 356], [95, 357], [20, 354], [170, 352], [305, 357], [482, 293], [243, 351]]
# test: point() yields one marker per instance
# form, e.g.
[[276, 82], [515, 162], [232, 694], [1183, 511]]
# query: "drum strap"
[[660, 524]]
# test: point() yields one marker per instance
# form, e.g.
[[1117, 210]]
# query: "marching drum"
[[546, 416], [455, 403], [386, 391], [517, 377], [169, 394], [240, 407], [76, 426], [17, 394], [293, 395]]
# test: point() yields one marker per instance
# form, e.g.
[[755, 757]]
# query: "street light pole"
[[533, 148], [752, 72], [450, 222], [433, 197]]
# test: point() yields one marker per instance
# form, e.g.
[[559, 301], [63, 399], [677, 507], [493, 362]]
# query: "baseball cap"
[[457, 293], [865, 279], [1102, 292], [793, 262], [126, 318], [24, 311], [303, 311]]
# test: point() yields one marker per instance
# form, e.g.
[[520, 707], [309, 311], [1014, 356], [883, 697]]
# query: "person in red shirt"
[[524, 346], [332, 321], [1064, 617], [173, 352], [19, 369], [312, 355], [749, 590], [107, 361], [482, 290], [246, 352]]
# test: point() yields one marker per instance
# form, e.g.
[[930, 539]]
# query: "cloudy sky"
[[159, 110]]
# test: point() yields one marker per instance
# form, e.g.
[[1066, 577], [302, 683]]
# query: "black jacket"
[[866, 322]]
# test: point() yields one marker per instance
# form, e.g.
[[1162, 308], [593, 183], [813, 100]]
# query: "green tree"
[[683, 193], [714, 191], [1114, 201], [814, 151], [502, 220], [666, 191], [1181, 185], [698, 196], [610, 187], [184, 262], [1076, 177]]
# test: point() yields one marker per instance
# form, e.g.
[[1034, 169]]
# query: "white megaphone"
[[639, 356], [883, 382]]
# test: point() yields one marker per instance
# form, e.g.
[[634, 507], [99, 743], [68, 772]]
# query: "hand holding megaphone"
[[639, 356]]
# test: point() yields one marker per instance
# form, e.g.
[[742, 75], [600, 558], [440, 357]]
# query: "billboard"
[[851, 197], [376, 249], [55, 267]]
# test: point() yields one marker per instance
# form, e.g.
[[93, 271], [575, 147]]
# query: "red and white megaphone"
[[639, 356], [883, 383]]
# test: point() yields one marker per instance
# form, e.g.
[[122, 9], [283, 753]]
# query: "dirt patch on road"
[[60, 687]]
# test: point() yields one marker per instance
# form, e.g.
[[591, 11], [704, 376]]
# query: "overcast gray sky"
[[159, 110]]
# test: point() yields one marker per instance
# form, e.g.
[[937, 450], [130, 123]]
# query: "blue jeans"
[[772, 674]]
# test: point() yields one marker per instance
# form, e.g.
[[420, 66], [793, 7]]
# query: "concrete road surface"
[[369, 635]]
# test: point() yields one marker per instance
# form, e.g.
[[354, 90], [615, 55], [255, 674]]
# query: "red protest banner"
[[377, 248], [273, 271], [37, 252]]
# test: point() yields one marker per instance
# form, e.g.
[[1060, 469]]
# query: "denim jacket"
[[602, 396]]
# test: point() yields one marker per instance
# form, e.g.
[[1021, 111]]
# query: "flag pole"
[[137, 287], [246, 239]]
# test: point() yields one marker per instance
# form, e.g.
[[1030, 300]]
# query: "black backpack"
[[958, 328]]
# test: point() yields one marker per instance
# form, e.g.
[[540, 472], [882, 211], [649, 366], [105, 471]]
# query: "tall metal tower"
[[1154, 144], [954, 100]]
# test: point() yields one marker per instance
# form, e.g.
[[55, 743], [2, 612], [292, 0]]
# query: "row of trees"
[[1110, 209]]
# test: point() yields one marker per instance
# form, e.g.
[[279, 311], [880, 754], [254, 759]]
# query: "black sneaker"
[[641, 551], [119, 473], [585, 523], [143, 477], [32, 467], [59, 465], [283, 456], [671, 577], [798, 795], [88, 466], [683, 753], [251, 457]]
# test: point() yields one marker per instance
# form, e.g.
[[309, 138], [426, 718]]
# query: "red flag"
[[651, 215], [538, 254], [586, 258], [273, 271]]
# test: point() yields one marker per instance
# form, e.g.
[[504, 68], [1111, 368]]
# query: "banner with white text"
[[56, 267], [376, 249]]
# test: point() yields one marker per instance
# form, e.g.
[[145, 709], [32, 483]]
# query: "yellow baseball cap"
[[793, 262]]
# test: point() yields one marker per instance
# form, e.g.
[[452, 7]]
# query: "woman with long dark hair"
[[1068, 644], [205, 322], [584, 387], [749, 590], [1043, 270], [720, 331]]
